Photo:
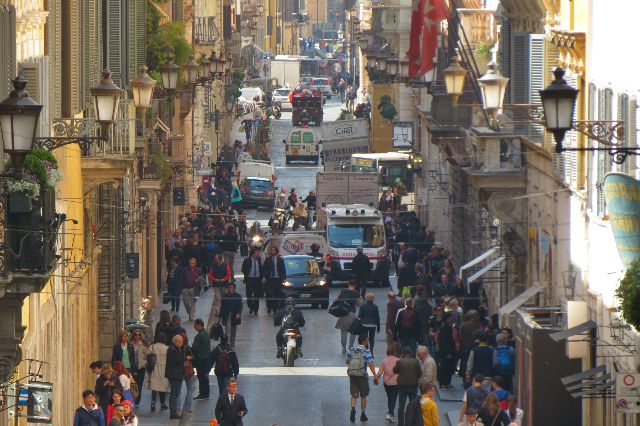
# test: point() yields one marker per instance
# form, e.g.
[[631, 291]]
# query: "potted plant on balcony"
[[40, 173]]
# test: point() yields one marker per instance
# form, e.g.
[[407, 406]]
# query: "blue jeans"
[[188, 399], [175, 388], [392, 397], [310, 213], [405, 392]]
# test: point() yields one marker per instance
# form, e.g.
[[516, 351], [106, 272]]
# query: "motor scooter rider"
[[289, 318], [256, 231], [282, 202], [317, 254]]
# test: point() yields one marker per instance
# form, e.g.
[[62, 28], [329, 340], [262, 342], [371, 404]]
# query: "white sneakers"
[[390, 418]]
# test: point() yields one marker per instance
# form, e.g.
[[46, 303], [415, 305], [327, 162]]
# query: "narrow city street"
[[316, 391]]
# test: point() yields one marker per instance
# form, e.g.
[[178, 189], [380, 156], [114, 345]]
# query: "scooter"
[[289, 351], [279, 219], [277, 109], [256, 241]]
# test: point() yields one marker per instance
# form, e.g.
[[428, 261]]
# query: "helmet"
[[290, 301]]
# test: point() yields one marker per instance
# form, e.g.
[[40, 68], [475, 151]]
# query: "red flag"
[[434, 12], [413, 55]]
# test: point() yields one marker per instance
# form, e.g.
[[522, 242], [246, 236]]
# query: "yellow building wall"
[[380, 128]]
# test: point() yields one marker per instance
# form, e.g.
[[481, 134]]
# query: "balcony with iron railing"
[[205, 31]]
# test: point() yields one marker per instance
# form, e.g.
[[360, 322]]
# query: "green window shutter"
[[53, 49], [592, 170], [536, 81], [115, 35], [520, 69], [632, 135], [8, 48], [571, 140], [178, 10], [76, 81], [505, 53], [36, 72]]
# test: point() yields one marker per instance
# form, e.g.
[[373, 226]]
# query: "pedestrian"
[[481, 359], [471, 418], [157, 381], [393, 306], [389, 380], [252, 271], [361, 267], [274, 275], [176, 327], [124, 351], [189, 375], [116, 398], [231, 407], [201, 350], [89, 413], [428, 406], [126, 379], [359, 358], [369, 316], [352, 300], [229, 245], [504, 362], [428, 365], [491, 413], [96, 368], [105, 386], [469, 330], [225, 363], [144, 317], [164, 325], [193, 279], [407, 327], [175, 282], [499, 391], [141, 349], [219, 278], [129, 418], [174, 372], [230, 312], [515, 414], [474, 396], [409, 373], [447, 352], [118, 415]]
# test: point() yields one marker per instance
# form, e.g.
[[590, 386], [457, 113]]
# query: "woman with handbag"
[[126, 380], [156, 364], [141, 349], [351, 298]]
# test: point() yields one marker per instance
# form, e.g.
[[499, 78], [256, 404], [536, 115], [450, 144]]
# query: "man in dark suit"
[[274, 275], [231, 408], [252, 271]]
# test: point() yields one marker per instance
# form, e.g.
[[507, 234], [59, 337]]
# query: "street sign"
[[628, 392], [403, 134]]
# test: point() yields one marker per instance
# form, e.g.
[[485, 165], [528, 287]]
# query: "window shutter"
[[226, 23], [115, 36], [8, 48], [551, 55], [536, 80], [592, 170], [75, 79], [623, 115], [571, 140], [632, 136], [601, 156], [90, 51], [36, 72], [270, 25], [505, 54], [53, 49], [137, 27], [520, 69], [178, 11]]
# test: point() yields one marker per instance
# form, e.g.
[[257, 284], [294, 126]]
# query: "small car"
[[258, 192], [322, 84], [305, 282], [282, 95]]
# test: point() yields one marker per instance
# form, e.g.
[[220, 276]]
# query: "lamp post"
[[142, 88], [190, 71], [169, 72], [558, 103], [454, 76], [493, 86], [106, 97]]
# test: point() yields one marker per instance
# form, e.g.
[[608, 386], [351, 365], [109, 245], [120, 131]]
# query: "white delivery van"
[[302, 144]]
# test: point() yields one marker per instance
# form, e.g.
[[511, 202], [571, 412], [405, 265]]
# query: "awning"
[[479, 259], [520, 299], [484, 270]]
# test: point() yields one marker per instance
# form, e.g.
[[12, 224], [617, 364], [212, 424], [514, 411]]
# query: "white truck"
[[342, 138], [347, 215], [347, 227], [286, 68]]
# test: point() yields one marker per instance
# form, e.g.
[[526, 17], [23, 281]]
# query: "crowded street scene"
[[318, 213]]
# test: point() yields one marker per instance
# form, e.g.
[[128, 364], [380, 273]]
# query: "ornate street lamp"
[[403, 69], [558, 103], [216, 65], [106, 97], [169, 73], [392, 67], [205, 67], [19, 116], [142, 88], [493, 86], [454, 76], [190, 70], [371, 60], [382, 60]]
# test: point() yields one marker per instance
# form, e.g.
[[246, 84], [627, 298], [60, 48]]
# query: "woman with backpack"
[[408, 327], [156, 365], [225, 364]]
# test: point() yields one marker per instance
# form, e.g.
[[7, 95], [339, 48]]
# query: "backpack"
[[505, 360], [357, 367], [223, 364], [408, 319], [151, 359], [476, 396], [413, 413]]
